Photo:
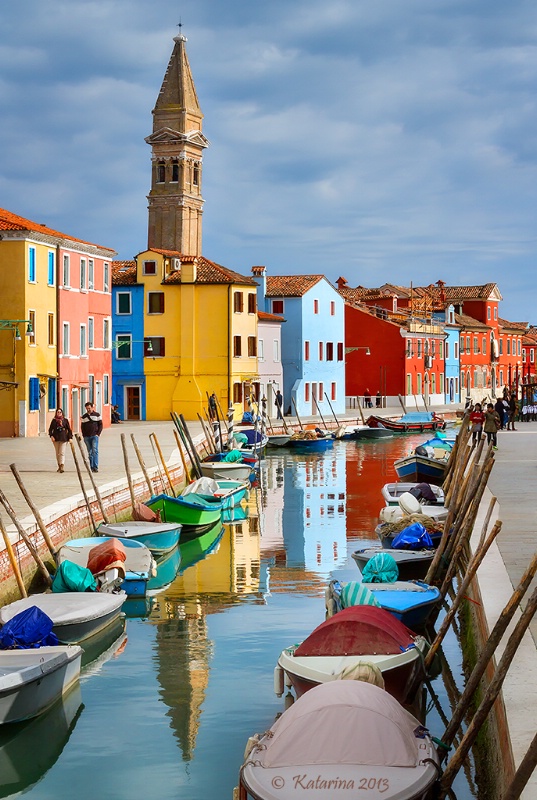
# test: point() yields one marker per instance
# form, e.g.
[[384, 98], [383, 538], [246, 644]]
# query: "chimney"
[[260, 274], [342, 283], [189, 269]]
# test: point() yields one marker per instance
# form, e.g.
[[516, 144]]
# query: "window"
[[276, 350], [91, 333], [409, 348], [65, 339], [124, 346], [446, 350], [123, 303], [315, 306], [51, 393], [329, 351], [83, 275], [66, 271], [488, 312], [237, 392], [237, 346], [238, 302], [441, 381], [196, 175], [91, 388], [394, 305], [252, 304], [484, 345], [91, 274], [321, 392], [32, 277], [65, 400], [332, 308], [155, 303], [31, 317], [468, 344], [149, 268], [51, 268], [501, 350], [408, 383], [508, 347], [532, 355], [50, 328], [261, 349], [456, 386], [418, 383], [441, 350], [495, 313], [161, 172], [106, 389], [433, 383], [419, 348], [501, 377], [106, 334], [277, 306], [252, 346], [106, 277], [83, 341], [455, 350], [333, 391], [306, 351], [321, 351], [175, 172], [34, 394], [340, 353], [519, 345], [157, 349], [523, 355], [476, 346], [307, 392]]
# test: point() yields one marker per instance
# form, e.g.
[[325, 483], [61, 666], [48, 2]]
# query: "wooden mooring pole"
[[33, 508]]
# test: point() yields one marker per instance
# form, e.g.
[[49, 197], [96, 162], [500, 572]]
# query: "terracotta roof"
[[12, 222], [291, 285], [207, 272], [469, 292], [517, 326], [264, 317], [530, 337], [467, 322], [123, 273]]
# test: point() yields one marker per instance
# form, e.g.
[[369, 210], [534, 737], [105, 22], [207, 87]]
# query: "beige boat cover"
[[341, 722]]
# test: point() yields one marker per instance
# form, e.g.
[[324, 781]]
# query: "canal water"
[[165, 711]]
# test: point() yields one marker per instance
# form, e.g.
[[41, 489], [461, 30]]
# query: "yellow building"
[[200, 333]]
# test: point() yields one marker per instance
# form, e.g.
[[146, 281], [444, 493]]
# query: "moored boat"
[[341, 740], [421, 469], [191, 510], [229, 493], [353, 636], [278, 439], [158, 537], [412, 564], [412, 422], [411, 602], [32, 680], [227, 470], [391, 492], [139, 564]]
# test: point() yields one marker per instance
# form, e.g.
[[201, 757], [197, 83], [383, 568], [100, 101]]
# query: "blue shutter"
[[31, 264], [51, 269], [51, 394], [34, 394]]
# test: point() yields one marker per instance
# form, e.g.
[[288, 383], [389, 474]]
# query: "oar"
[[34, 510], [13, 560], [179, 426], [27, 541]]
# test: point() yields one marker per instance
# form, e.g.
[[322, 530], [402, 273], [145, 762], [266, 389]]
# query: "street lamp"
[[13, 325], [360, 347], [148, 343]]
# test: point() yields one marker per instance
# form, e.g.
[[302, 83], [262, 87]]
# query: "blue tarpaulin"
[[31, 628], [415, 537]]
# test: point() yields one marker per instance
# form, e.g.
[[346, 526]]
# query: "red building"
[[529, 347]]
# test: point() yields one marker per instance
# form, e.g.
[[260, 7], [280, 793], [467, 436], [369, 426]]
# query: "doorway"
[[133, 402]]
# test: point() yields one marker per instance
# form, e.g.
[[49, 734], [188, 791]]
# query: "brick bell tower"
[[177, 143]]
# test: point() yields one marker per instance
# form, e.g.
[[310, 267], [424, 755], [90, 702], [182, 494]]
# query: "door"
[[314, 399], [132, 402]]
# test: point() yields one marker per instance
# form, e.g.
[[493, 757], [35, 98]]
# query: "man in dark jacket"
[[92, 426]]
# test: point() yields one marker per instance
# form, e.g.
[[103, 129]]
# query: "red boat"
[[416, 421], [354, 636]]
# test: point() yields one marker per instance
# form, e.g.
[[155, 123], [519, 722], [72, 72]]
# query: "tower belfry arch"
[[177, 144]]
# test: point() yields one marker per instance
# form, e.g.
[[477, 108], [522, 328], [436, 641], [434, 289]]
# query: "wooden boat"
[[314, 445], [412, 564], [32, 680], [76, 615], [237, 514], [412, 422], [192, 511], [396, 513], [139, 564], [411, 602], [229, 493], [345, 739], [421, 469], [158, 537], [351, 637], [391, 492]]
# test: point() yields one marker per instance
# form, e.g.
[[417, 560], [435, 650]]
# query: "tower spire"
[[177, 143]]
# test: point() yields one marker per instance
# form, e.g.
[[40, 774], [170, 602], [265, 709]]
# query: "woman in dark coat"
[[60, 432]]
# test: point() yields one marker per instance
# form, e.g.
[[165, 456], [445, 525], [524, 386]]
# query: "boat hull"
[[224, 470], [311, 445], [397, 426], [52, 671], [410, 602], [159, 538], [186, 511], [420, 469], [391, 492], [412, 564]]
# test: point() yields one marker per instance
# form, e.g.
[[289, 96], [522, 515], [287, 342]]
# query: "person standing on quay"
[[92, 426], [492, 425], [476, 420], [60, 432], [279, 403], [513, 409]]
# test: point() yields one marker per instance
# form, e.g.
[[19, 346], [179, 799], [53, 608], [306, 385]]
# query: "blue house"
[[312, 341], [128, 380], [452, 388]]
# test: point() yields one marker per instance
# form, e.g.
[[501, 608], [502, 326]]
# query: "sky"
[[378, 140]]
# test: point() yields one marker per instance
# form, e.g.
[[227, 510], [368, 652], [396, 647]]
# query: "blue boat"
[[237, 514], [229, 493], [311, 445], [159, 537], [412, 602], [139, 564], [420, 469], [167, 569]]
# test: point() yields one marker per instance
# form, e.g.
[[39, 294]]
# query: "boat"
[[32, 680], [227, 470], [139, 564], [344, 739], [353, 636], [30, 749], [158, 537], [229, 493], [412, 422], [192, 511], [421, 469], [310, 444], [411, 602], [238, 514], [396, 513], [412, 564], [278, 439], [76, 615], [391, 493], [386, 533]]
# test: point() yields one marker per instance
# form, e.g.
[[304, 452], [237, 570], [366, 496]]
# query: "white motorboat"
[[391, 493], [224, 470], [76, 615], [338, 739], [32, 680], [139, 564]]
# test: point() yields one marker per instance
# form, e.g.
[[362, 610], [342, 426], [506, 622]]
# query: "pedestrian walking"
[[379, 399], [367, 399], [213, 411], [477, 418], [60, 432], [492, 425], [92, 426], [279, 403], [513, 410], [500, 409]]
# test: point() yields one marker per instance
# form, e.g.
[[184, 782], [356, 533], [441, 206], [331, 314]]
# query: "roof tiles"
[[291, 285], [13, 222]]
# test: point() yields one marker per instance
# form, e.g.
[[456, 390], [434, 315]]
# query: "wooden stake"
[[142, 465], [296, 412], [319, 410], [331, 409], [491, 693], [157, 445], [523, 773], [127, 469], [196, 459], [13, 560], [183, 459], [33, 509], [361, 411], [92, 479], [27, 541], [80, 480]]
